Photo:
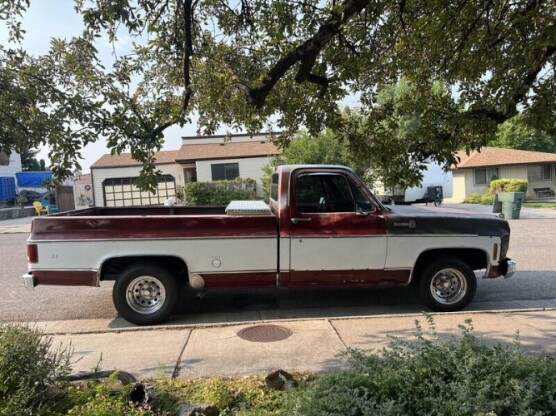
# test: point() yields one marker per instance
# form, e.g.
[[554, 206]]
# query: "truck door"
[[337, 234]]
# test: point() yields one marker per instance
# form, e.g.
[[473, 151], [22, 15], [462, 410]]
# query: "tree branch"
[[307, 52]]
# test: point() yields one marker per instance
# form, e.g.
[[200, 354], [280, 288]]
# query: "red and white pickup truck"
[[322, 227]]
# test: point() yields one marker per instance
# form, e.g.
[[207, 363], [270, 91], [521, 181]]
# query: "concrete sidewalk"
[[314, 345]]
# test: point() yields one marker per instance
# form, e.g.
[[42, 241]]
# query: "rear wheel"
[[145, 294], [447, 285]]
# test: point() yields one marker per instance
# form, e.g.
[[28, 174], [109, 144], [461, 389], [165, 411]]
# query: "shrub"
[[435, 377], [487, 199], [29, 371], [473, 199], [507, 185], [104, 398], [220, 192]]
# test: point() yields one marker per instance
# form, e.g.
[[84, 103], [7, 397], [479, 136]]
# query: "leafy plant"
[[103, 398], [30, 370], [507, 185], [431, 376], [473, 199], [220, 192]]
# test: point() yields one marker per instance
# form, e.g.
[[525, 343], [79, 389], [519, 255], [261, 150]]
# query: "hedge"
[[507, 185], [220, 192], [497, 185]]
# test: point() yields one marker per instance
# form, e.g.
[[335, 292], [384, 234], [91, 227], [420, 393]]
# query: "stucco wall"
[[248, 168]]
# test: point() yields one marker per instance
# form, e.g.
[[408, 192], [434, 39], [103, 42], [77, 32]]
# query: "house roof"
[[124, 160], [494, 156], [193, 152]]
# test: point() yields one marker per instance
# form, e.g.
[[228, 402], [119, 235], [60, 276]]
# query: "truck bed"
[[135, 211], [150, 223]]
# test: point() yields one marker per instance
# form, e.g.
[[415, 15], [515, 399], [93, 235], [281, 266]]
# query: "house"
[[82, 191], [205, 158], [9, 166], [475, 171]]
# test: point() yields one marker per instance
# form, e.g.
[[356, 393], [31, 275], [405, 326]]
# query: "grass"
[[539, 204]]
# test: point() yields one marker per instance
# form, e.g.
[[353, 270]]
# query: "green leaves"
[[282, 66]]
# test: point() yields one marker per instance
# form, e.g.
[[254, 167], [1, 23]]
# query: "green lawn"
[[539, 204]]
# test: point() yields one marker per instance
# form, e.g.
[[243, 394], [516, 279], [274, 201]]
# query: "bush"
[[472, 199], [507, 185], [220, 192], [487, 199], [29, 371], [104, 398], [435, 377]]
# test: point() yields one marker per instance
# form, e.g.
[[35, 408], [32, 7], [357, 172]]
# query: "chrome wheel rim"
[[448, 286], [146, 294]]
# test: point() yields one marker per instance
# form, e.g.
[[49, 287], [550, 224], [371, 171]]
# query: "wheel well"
[[474, 257], [113, 267]]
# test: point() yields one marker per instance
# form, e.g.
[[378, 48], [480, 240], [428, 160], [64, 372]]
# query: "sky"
[[47, 19]]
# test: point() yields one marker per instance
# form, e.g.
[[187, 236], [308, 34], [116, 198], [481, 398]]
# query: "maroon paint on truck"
[[352, 278], [239, 279], [124, 227], [65, 277]]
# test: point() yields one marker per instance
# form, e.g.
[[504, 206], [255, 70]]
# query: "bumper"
[[506, 268], [29, 281], [510, 268]]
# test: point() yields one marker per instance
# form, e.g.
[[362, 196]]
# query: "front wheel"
[[447, 285], [145, 294]]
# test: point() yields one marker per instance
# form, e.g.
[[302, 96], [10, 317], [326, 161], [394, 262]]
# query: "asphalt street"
[[533, 244]]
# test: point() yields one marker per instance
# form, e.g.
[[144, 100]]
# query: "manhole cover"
[[264, 333]]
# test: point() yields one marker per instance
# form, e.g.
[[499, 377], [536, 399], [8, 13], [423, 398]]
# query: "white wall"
[[251, 167], [13, 167], [220, 139]]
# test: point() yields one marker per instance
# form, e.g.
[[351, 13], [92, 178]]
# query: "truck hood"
[[417, 220]]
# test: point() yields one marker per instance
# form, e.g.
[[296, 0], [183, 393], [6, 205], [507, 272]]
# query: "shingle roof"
[[125, 160], [192, 152], [494, 156]]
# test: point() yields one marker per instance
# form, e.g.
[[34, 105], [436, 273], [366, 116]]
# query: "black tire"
[[447, 285], [156, 302]]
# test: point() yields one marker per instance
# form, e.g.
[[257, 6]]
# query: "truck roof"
[[291, 168]]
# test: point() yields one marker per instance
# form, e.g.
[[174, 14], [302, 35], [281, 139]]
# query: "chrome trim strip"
[[234, 272], [269, 237]]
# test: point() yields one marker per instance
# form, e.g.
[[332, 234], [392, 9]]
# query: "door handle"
[[298, 220]]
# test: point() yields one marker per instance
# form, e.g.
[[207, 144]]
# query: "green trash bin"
[[496, 205], [511, 204]]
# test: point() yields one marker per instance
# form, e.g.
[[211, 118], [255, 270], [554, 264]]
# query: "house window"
[[121, 192], [484, 176], [537, 173], [224, 171], [190, 175]]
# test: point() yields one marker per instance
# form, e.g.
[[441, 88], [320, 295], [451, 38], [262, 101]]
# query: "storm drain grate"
[[264, 333]]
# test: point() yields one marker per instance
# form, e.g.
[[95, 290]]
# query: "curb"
[[267, 321]]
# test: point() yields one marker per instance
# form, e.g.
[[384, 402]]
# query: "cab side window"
[[324, 193]]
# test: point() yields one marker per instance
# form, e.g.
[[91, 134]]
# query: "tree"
[[516, 134], [324, 148], [282, 64], [30, 162]]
